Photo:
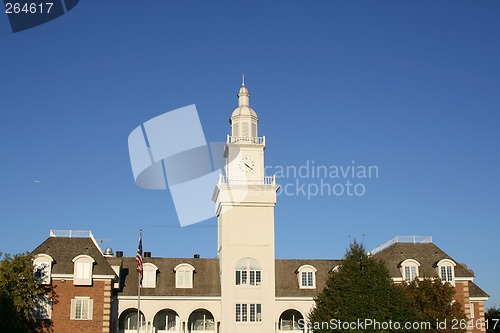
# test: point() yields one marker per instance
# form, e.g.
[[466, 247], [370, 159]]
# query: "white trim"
[[184, 264], [442, 262], [294, 299], [44, 256], [152, 298], [70, 276], [148, 264], [458, 279], [83, 256], [479, 299]]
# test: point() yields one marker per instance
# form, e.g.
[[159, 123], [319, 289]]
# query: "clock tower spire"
[[244, 119], [244, 203]]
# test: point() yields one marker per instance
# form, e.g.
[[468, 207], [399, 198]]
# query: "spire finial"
[[243, 80]]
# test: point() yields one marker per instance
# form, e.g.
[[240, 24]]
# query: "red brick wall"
[[100, 292]]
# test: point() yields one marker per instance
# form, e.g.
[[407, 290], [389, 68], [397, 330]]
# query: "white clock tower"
[[244, 201]]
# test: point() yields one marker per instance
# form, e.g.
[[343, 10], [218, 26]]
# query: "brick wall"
[[100, 292]]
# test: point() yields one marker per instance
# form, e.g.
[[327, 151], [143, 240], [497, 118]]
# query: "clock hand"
[[248, 166]]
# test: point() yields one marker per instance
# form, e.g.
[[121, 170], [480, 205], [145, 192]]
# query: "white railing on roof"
[[256, 140], [71, 233], [402, 239], [267, 180]]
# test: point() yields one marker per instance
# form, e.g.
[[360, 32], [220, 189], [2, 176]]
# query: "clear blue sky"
[[412, 87]]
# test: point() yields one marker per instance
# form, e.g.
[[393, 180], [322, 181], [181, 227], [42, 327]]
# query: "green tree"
[[361, 290], [492, 317], [433, 303], [20, 293]]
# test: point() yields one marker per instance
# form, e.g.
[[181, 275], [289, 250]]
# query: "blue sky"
[[409, 86]]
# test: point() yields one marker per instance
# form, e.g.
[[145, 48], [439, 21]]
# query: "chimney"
[[119, 254]]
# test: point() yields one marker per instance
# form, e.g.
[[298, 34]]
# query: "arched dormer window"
[[43, 267], [446, 270], [335, 269], [248, 272], [149, 275], [307, 277], [83, 265], [409, 269], [184, 276]]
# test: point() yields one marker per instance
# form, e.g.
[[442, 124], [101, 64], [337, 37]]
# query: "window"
[[307, 277], [43, 267], [243, 311], [446, 270], [166, 320], [128, 320], [289, 320], [82, 275], [81, 308], [248, 272], [471, 307], [201, 320], [43, 308], [409, 269], [184, 276], [149, 275]]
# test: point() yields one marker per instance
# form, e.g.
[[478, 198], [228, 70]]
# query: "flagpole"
[[139, 277]]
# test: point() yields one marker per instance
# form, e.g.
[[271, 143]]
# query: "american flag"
[[138, 259]]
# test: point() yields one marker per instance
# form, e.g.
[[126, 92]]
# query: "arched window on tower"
[[248, 272]]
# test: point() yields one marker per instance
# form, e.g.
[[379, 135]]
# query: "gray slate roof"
[[287, 284], [63, 250], [206, 278], [427, 254], [475, 291]]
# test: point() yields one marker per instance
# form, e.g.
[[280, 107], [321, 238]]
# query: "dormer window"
[[43, 267], [184, 276], [446, 270], [82, 275], [149, 275], [248, 272], [409, 269], [307, 277]]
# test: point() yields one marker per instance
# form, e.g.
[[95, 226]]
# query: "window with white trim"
[[149, 275], [81, 308], [446, 270], [43, 308], [471, 308], [409, 269], [307, 277], [248, 272], [248, 312], [184, 276], [43, 268], [83, 265]]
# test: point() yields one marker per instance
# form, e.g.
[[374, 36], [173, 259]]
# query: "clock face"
[[246, 164]]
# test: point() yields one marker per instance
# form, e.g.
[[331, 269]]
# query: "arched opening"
[[166, 320], [201, 320], [128, 321], [248, 272], [289, 321]]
